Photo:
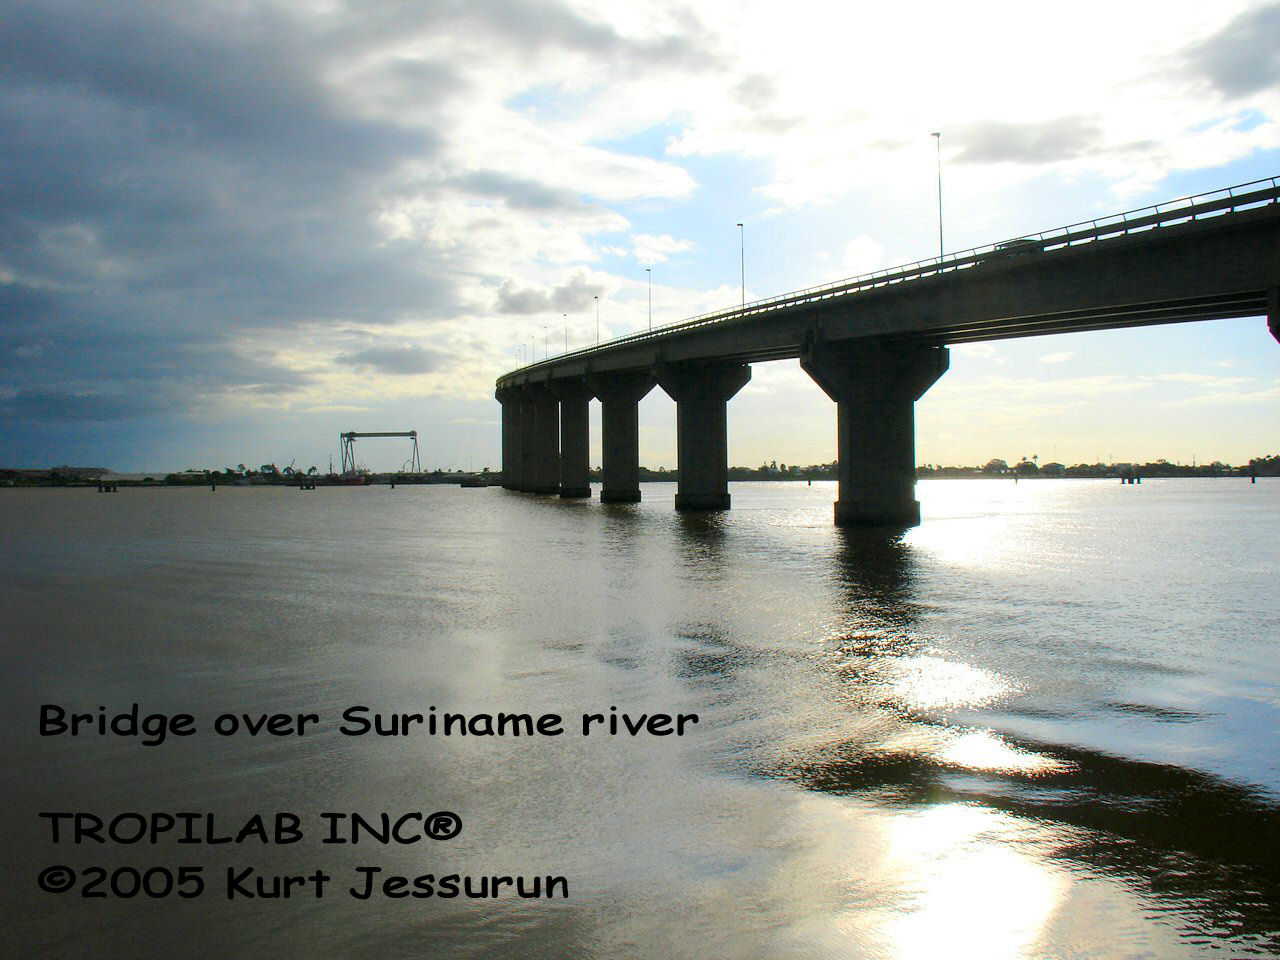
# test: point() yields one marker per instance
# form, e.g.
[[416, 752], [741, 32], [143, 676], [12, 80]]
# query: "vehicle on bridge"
[[1016, 248]]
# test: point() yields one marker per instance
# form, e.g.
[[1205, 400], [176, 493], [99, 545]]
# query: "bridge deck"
[[1200, 258]]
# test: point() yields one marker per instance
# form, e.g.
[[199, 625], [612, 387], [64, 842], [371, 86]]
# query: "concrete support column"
[[876, 388], [546, 440], [510, 438], [525, 433], [620, 395], [575, 466], [701, 392]]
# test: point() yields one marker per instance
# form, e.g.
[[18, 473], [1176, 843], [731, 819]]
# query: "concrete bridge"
[[876, 343]]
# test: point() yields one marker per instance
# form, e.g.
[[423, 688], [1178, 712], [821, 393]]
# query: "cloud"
[[648, 248], [1062, 357], [518, 192], [402, 360], [981, 351], [862, 255], [202, 189], [211, 207], [1262, 397], [575, 295], [1046, 141], [60, 407], [1243, 57], [1202, 379]]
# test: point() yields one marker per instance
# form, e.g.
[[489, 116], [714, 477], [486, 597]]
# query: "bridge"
[[876, 343]]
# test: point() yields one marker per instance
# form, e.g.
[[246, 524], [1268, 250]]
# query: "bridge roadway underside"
[[874, 352]]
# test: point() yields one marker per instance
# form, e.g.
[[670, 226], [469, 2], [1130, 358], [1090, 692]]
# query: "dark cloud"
[[400, 361], [537, 27], [183, 182], [44, 406], [577, 294], [517, 192], [20, 304], [177, 177], [1243, 57], [991, 141]]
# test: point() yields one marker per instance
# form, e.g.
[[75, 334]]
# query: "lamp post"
[[649, 273], [938, 137], [546, 342], [742, 263], [597, 300]]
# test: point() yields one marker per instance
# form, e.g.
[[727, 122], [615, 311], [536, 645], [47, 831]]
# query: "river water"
[[1042, 724]]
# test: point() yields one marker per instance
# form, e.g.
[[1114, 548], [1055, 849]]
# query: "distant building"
[[77, 473]]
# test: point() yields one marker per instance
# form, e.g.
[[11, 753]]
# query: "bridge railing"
[[1243, 196]]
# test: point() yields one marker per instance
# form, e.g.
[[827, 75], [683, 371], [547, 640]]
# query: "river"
[[1043, 723]]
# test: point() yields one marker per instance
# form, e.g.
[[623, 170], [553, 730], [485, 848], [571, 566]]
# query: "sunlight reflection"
[[983, 750], [1002, 538], [975, 896], [931, 683]]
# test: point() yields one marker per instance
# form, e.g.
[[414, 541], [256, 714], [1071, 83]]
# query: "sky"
[[231, 230]]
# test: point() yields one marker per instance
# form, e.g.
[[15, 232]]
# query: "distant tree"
[[1265, 466], [312, 471], [995, 466]]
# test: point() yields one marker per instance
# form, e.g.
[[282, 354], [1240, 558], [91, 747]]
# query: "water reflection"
[[978, 895], [1182, 837], [874, 569], [701, 538], [988, 826]]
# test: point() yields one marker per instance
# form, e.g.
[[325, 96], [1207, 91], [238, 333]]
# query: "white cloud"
[[1062, 357], [981, 351], [863, 255], [656, 249], [1202, 379]]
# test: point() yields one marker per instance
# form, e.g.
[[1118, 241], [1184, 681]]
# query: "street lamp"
[[649, 273], [597, 299], [742, 262], [938, 137], [546, 341]]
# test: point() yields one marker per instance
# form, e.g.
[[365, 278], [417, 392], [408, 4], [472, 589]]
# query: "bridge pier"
[[1273, 312], [620, 395], [575, 463], [701, 392], [510, 401], [546, 440], [524, 445], [876, 388]]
